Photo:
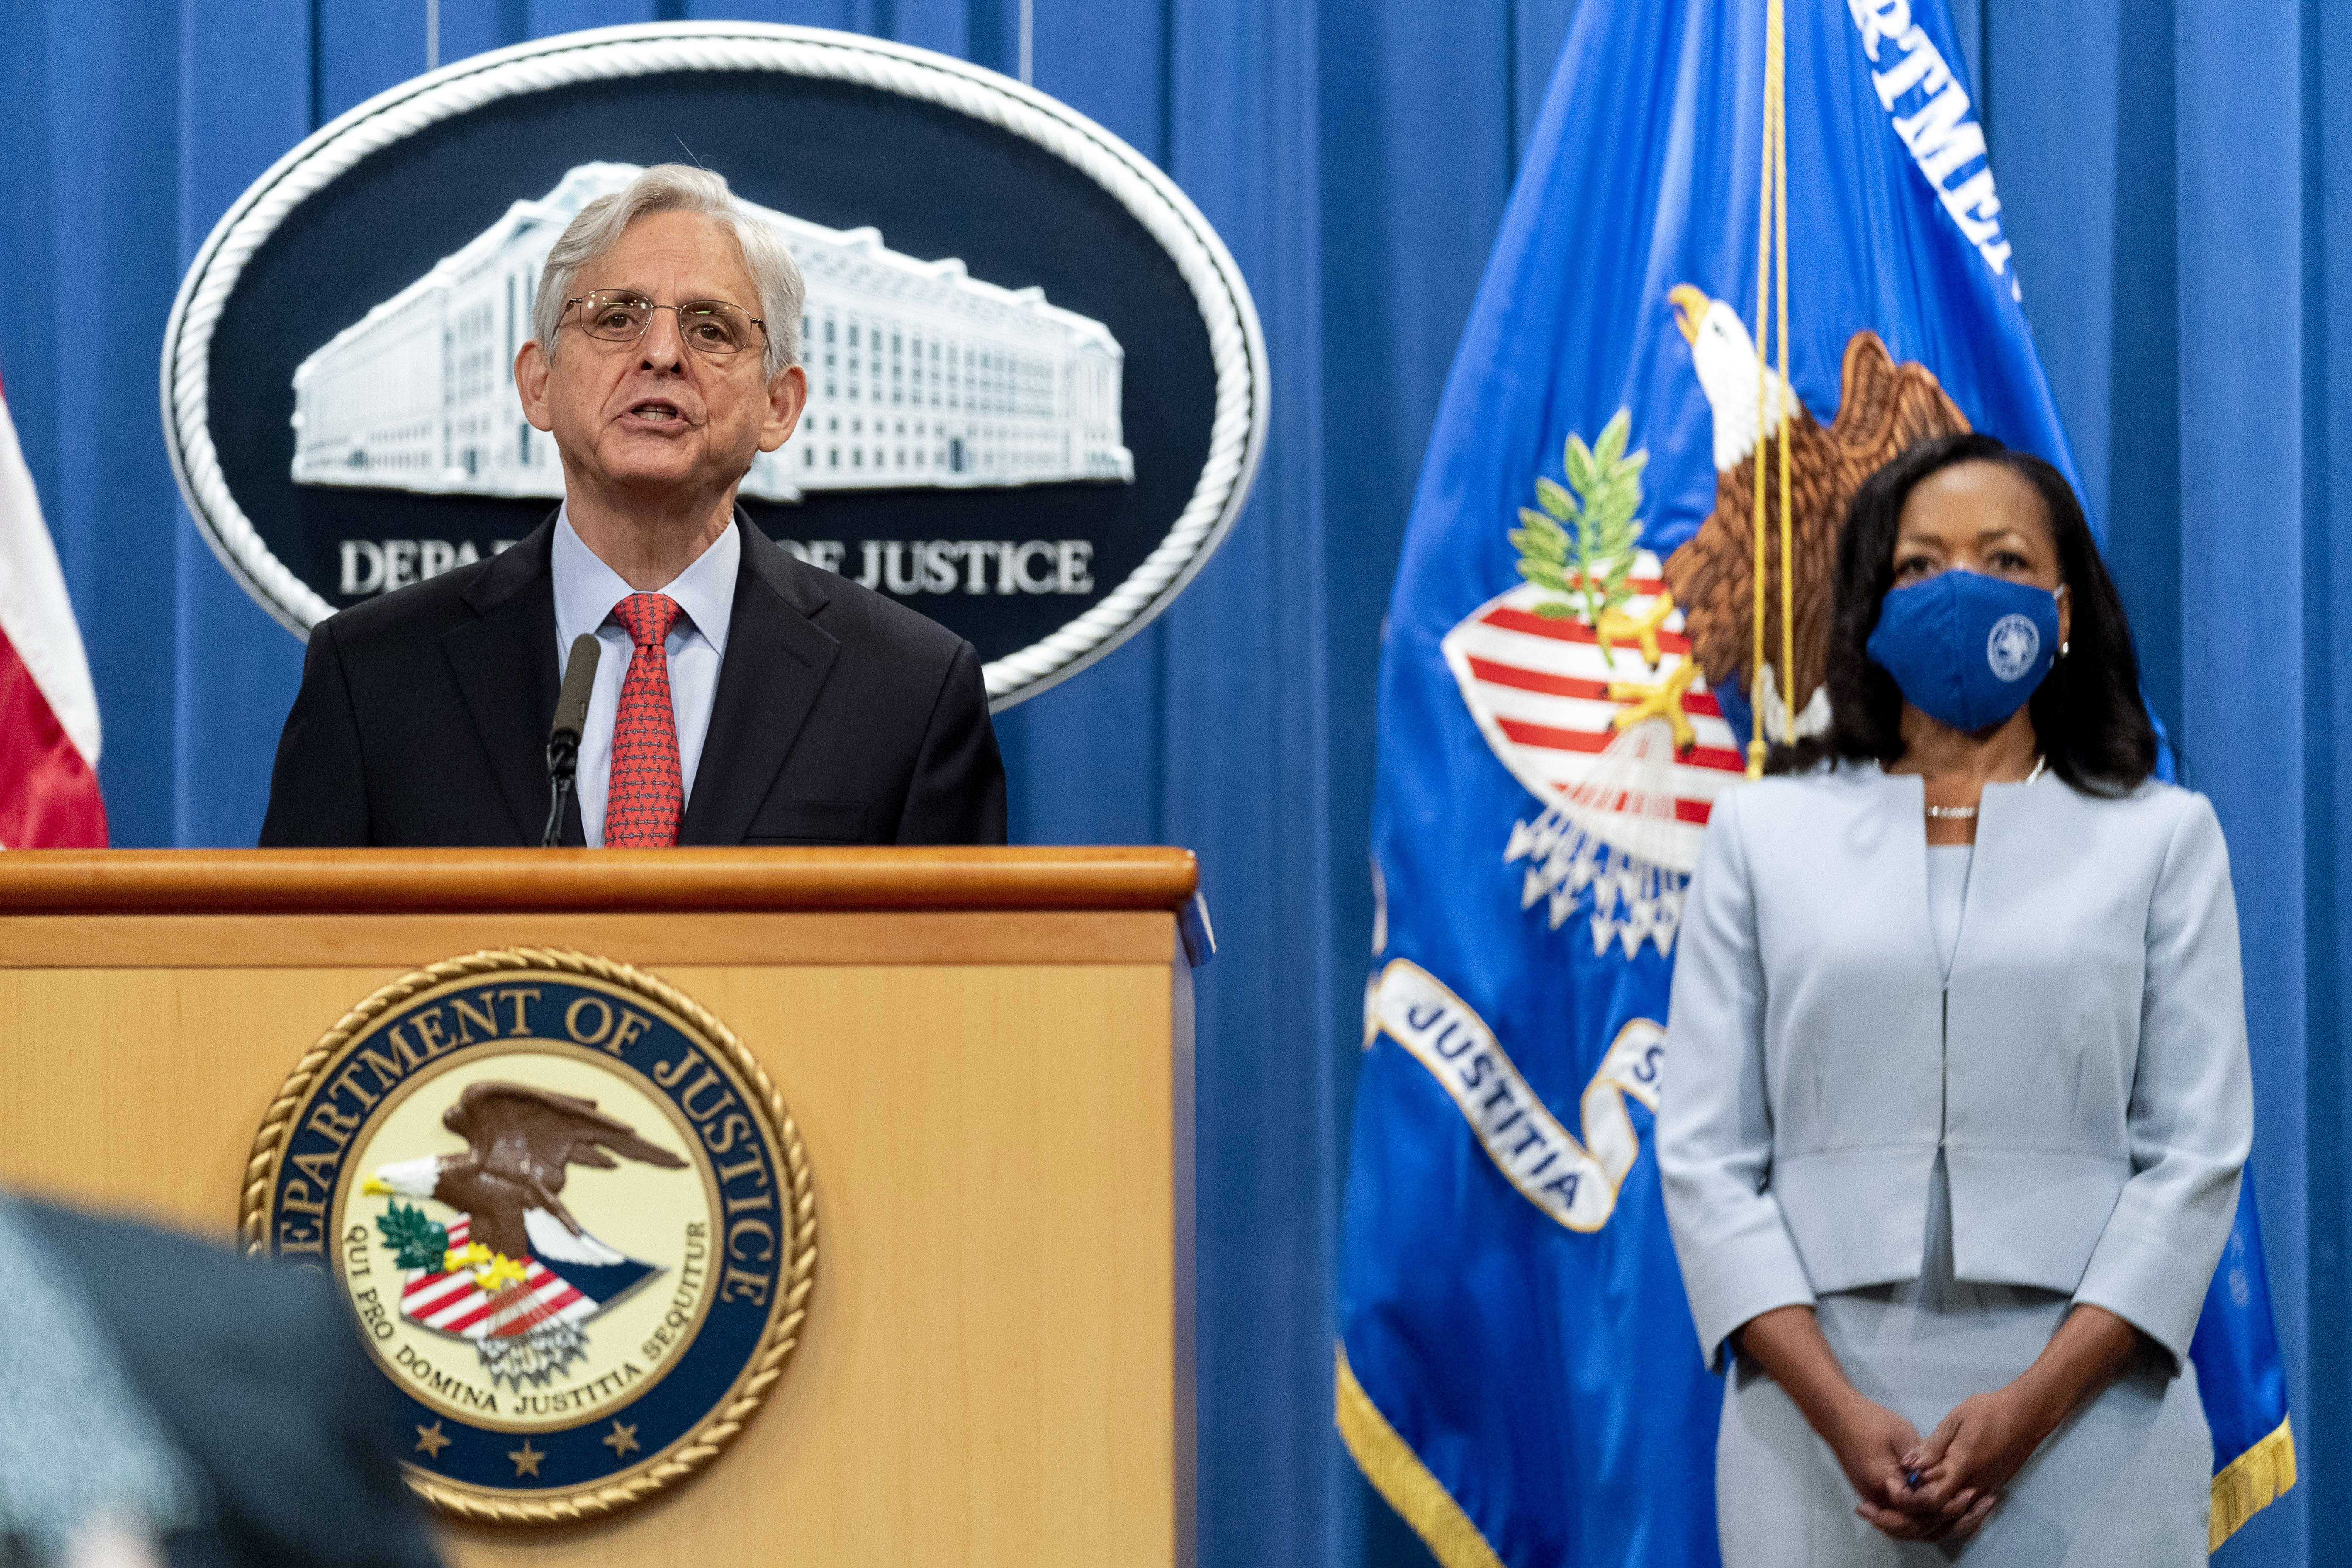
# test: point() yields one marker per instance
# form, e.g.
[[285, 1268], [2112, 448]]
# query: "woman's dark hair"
[[2088, 715]]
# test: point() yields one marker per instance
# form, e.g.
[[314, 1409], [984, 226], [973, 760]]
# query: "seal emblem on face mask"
[[2015, 643], [569, 1212]]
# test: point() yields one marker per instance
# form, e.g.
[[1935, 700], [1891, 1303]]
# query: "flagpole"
[[1772, 282]]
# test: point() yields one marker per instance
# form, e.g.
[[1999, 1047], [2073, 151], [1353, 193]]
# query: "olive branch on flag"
[[1591, 565], [416, 1242]]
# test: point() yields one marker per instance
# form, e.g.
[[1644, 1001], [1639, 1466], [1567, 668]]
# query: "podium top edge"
[[459, 881]]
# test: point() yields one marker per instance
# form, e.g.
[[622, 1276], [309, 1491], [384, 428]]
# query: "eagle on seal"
[[1883, 407], [520, 1142]]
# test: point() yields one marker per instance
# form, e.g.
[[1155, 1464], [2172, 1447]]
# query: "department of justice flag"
[[1573, 656]]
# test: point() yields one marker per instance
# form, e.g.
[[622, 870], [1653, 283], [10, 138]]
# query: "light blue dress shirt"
[[585, 592]]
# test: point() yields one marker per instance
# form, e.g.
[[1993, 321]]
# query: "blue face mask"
[[1966, 648]]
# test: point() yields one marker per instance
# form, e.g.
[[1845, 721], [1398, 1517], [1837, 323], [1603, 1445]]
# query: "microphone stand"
[[562, 764], [563, 735]]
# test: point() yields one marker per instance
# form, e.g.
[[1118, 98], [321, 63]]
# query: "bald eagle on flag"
[[1882, 407]]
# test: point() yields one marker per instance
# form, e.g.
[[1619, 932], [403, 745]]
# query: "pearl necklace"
[[1969, 812]]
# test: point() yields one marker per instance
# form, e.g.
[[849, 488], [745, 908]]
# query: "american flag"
[[451, 1302], [49, 708], [1539, 689]]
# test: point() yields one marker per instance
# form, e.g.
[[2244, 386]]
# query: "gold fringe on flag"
[[1397, 1473], [2251, 1483]]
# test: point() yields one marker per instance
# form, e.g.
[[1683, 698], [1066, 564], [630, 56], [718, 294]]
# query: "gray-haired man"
[[743, 696]]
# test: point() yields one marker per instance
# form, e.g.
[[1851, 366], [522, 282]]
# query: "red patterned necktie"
[[647, 796]]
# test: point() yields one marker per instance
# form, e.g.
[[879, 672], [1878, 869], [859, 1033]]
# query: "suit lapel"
[[2026, 833], [776, 663], [504, 662]]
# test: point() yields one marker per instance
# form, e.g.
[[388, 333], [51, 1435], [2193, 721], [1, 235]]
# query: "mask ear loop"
[[2063, 643]]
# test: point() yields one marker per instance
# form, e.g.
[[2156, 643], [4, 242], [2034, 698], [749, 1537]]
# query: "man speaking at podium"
[[740, 696]]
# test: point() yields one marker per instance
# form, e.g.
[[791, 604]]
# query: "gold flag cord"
[[1771, 265], [1775, 91]]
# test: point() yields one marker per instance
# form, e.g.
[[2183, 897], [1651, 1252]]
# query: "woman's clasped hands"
[[1945, 1488]]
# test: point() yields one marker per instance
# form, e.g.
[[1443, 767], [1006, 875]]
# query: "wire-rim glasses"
[[708, 326]]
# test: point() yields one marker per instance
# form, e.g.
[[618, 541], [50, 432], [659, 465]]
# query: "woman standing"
[[1958, 1096]]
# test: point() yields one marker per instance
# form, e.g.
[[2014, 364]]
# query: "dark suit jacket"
[[839, 718], [257, 1376]]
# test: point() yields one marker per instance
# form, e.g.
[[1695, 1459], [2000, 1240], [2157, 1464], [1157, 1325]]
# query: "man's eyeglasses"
[[708, 326]]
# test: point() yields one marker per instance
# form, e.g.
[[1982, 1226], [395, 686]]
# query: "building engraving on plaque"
[[920, 375]]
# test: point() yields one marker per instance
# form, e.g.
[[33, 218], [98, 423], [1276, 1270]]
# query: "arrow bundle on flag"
[[1618, 559], [49, 710]]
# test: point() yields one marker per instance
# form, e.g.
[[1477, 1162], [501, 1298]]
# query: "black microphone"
[[563, 735]]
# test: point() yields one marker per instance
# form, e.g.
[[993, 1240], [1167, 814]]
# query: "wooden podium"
[[988, 1052]]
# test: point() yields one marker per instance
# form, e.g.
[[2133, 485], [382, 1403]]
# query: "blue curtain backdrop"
[[2178, 181]]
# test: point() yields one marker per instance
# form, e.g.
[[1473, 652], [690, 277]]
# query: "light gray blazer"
[[2084, 1072]]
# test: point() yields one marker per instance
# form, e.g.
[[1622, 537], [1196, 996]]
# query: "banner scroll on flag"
[[1571, 667], [49, 710]]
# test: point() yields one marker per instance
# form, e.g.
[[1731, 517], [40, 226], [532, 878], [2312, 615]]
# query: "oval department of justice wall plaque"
[[1037, 386], [569, 1212]]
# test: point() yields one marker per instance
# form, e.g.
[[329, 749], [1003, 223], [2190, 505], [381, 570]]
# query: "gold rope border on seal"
[[776, 1345]]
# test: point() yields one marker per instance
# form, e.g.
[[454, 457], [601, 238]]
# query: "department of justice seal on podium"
[[572, 1217]]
